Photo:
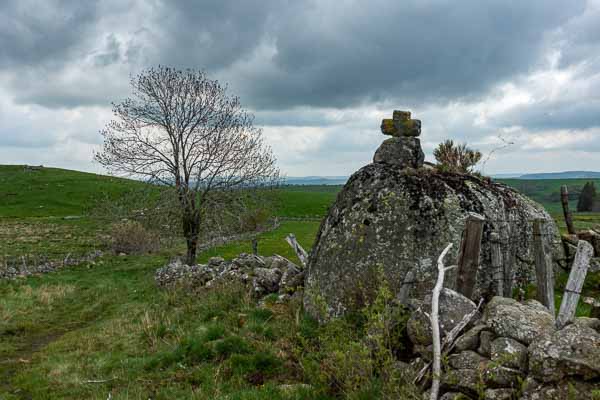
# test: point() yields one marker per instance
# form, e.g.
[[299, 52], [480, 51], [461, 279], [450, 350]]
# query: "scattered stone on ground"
[[523, 321], [509, 353], [263, 275], [20, 268], [453, 307], [514, 352], [565, 390], [573, 351]]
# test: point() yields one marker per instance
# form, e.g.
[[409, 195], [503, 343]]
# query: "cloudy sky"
[[520, 80]]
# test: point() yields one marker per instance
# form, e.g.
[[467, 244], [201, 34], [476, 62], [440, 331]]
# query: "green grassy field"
[[53, 192], [547, 191], [104, 328]]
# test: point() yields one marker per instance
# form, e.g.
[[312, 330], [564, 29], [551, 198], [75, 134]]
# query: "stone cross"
[[401, 125], [403, 149]]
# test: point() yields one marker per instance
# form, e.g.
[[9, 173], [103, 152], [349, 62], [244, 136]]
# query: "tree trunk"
[[192, 243], [191, 231]]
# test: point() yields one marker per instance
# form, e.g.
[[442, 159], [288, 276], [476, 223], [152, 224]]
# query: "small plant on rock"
[[456, 157]]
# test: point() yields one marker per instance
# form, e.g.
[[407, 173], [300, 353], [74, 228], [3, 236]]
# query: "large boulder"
[[402, 152], [470, 339], [393, 220], [521, 321], [564, 390], [453, 307], [572, 351], [509, 353]]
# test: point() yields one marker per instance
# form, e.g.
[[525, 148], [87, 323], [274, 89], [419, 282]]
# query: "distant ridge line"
[[341, 180], [563, 175]]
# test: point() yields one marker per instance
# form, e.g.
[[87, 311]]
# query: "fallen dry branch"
[[300, 252], [435, 325], [450, 339]]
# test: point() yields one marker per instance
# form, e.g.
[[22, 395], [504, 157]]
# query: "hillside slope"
[[547, 191], [53, 192]]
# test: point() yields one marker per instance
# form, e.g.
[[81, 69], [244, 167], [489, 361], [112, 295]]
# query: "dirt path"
[[20, 358]]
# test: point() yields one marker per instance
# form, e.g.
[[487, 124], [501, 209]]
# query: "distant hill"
[[53, 192], [563, 175], [316, 180], [341, 180]]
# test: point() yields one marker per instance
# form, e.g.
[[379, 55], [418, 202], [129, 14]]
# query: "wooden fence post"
[[497, 266], [299, 250], [585, 251], [509, 261], [543, 268], [564, 198], [468, 259], [255, 246], [407, 283]]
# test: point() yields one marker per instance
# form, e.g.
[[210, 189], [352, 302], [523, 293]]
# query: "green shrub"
[[214, 332], [587, 198], [131, 237], [260, 329], [456, 158], [261, 315], [191, 350], [231, 345], [353, 357], [309, 327], [262, 362], [195, 350]]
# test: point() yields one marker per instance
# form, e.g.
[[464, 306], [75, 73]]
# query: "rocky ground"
[[510, 349], [262, 275], [513, 351]]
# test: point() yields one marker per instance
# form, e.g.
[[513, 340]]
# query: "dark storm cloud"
[[412, 51], [582, 114], [283, 54], [211, 34], [315, 73], [581, 37], [32, 33]]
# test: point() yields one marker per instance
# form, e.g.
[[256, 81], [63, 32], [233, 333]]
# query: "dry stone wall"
[[513, 351]]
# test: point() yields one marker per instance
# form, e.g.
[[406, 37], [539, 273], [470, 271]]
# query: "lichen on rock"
[[402, 219], [397, 216]]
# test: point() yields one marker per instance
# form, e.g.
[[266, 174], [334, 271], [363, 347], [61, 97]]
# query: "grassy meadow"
[[103, 330]]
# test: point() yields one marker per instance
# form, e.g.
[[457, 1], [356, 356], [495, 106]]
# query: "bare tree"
[[181, 129]]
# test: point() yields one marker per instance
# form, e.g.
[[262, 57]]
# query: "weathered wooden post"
[[543, 268], [468, 259], [509, 259], [564, 198], [497, 266], [299, 250], [585, 251], [255, 246], [404, 292]]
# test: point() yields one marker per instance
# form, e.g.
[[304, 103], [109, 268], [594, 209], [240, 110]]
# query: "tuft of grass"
[[214, 332], [231, 345], [263, 362]]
